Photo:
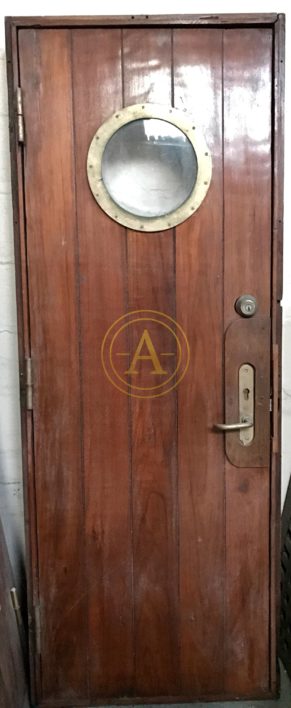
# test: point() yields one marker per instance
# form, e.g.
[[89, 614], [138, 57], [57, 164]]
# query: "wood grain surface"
[[199, 264], [51, 232], [106, 443], [142, 20], [152, 562], [151, 285], [247, 238]]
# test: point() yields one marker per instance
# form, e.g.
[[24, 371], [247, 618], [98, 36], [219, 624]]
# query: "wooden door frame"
[[277, 23]]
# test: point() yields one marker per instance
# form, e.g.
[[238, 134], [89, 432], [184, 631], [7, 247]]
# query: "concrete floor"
[[283, 702]]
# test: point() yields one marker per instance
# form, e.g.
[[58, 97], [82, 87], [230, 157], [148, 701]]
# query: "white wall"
[[11, 508]]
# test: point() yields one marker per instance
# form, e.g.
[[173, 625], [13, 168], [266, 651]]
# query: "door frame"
[[13, 24]]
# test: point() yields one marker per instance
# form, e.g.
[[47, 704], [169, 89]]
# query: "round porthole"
[[148, 167]]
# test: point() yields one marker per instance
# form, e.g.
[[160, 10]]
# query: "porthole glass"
[[149, 167]]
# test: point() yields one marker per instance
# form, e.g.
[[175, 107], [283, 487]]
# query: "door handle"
[[228, 427]]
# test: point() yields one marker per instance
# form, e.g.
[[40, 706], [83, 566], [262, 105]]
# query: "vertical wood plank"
[[247, 185], [50, 211], [102, 252], [151, 285], [197, 88]]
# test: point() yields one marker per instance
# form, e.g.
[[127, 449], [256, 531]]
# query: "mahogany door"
[[152, 534]]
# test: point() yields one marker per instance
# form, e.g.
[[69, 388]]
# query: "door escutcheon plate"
[[246, 386], [248, 341]]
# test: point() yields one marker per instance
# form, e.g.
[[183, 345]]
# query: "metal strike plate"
[[246, 382], [246, 305]]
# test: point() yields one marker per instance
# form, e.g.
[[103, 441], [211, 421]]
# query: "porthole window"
[[149, 167]]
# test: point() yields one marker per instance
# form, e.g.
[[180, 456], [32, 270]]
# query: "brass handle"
[[228, 427]]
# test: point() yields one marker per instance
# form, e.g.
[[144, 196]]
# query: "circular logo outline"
[[145, 388], [131, 386]]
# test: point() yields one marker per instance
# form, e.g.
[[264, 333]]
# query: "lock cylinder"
[[246, 305]]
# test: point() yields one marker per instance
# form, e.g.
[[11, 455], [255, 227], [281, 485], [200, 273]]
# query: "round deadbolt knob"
[[246, 305]]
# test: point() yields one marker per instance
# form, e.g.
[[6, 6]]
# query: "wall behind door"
[[11, 503]]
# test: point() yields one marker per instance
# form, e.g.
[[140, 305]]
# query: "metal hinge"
[[14, 600], [18, 615], [19, 115], [27, 384], [17, 610]]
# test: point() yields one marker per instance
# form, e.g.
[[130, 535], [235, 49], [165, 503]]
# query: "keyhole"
[[246, 393]]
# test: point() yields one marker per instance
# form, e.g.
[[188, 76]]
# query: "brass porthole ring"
[[180, 120]]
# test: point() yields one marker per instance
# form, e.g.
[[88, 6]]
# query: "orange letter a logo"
[[152, 355]]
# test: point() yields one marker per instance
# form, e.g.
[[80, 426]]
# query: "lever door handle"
[[228, 427]]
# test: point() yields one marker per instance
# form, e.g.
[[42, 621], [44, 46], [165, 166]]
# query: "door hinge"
[[27, 384], [14, 600], [19, 115], [18, 615]]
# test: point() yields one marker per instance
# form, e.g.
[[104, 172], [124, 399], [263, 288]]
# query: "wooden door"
[[152, 537]]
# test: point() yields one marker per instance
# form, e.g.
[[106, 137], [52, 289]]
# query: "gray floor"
[[283, 702]]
